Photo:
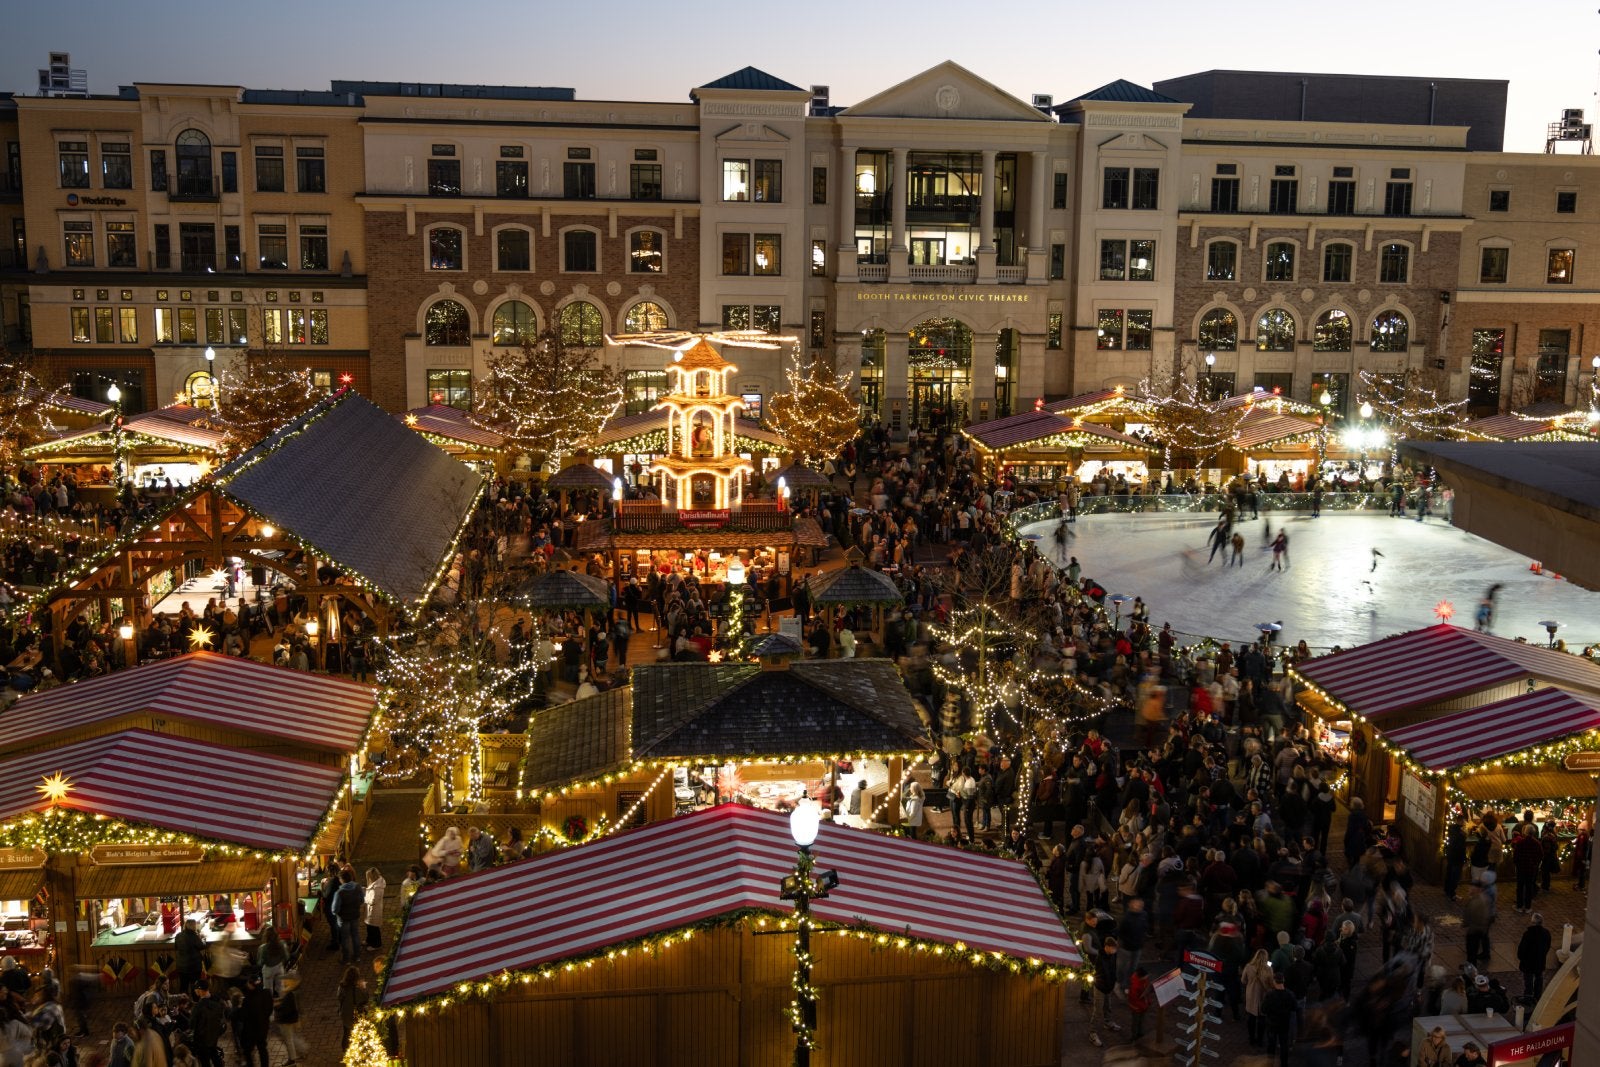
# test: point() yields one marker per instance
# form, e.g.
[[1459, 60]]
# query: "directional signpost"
[[1198, 1040]]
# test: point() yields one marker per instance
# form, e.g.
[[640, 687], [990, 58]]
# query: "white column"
[[980, 407], [1038, 234], [986, 204], [895, 386], [845, 249], [898, 261]]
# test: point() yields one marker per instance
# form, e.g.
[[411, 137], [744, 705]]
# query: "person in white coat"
[[915, 804], [374, 905]]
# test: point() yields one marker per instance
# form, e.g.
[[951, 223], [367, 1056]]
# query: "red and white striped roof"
[[311, 710], [1497, 729], [172, 783], [1437, 663], [669, 875]]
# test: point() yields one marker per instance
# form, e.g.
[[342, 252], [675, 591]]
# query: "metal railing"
[[194, 187], [1195, 504]]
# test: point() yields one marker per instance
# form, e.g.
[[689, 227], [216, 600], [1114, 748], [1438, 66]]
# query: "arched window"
[[1332, 332], [448, 324], [645, 317], [582, 324], [1219, 331], [1275, 331], [515, 323], [200, 388], [194, 164], [1390, 332], [941, 343]]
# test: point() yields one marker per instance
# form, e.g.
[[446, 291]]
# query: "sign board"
[[1582, 761], [129, 855], [789, 626], [1419, 798], [703, 519], [17, 859], [1168, 987], [1536, 1046], [1203, 960]]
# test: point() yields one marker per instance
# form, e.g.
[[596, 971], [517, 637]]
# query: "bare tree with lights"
[[1408, 405], [547, 397], [260, 390], [24, 405], [1187, 421], [817, 415]]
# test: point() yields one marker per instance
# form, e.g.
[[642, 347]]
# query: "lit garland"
[[257, 393], [804, 1002], [61, 831], [636, 767], [819, 413], [1184, 419], [107, 439], [1408, 408], [762, 918]]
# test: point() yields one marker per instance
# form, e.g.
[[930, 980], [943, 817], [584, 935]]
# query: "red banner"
[[704, 519], [1532, 1046]]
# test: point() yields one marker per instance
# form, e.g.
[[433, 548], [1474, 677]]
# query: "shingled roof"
[[725, 712], [1123, 91], [853, 585], [557, 590], [375, 498]]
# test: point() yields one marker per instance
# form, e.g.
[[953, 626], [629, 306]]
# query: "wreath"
[[576, 828]]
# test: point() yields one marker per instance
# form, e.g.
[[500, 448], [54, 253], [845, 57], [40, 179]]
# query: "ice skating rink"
[[1329, 595]]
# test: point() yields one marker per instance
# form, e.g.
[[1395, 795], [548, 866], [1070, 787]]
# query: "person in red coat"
[[1527, 856]]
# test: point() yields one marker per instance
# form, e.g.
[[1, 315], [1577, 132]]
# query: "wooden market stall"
[[130, 833], [852, 586], [450, 429], [1563, 424], [172, 446], [670, 945], [343, 504], [1045, 446], [1430, 676], [684, 736]]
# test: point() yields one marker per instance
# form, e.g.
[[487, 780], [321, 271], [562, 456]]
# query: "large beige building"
[[960, 252]]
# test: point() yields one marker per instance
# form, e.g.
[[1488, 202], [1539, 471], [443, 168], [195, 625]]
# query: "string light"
[[817, 415], [546, 397], [258, 393]]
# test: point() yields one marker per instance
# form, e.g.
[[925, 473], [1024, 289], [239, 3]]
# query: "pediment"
[[750, 131], [947, 91]]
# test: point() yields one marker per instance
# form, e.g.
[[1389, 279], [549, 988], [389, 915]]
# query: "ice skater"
[[1238, 549], [1280, 551], [1063, 534], [1484, 621], [1376, 556], [1219, 539]]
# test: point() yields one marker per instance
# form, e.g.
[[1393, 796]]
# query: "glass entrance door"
[[927, 251]]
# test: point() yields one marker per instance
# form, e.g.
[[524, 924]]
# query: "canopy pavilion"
[[648, 947], [450, 429], [344, 503], [178, 443]]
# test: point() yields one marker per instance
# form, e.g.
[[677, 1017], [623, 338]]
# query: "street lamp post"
[[114, 394], [802, 888], [211, 373], [1366, 437], [1211, 361], [1322, 436]]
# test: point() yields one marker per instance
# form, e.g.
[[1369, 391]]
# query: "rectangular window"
[[819, 259], [319, 326], [1058, 262], [1283, 196], [232, 249], [158, 170], [74, 164], [1141, 330], [644, 181], [121, 248], [444, 177], [271, 325], [1499, 200], [1566, 203], [104, 327], [577, 181], [188, 328], [735, 253], [769, 254], [230, 172], [80, 326], [310, 170], [1280, 262], [116, 166], [1058, 191], [768, 187], [1494, 265], [163, 246], [214, 327], [1114, 188], [445, 250], [512, 250], [313, 248], [452, 388], [645, 251], [1483, 379], [322, 380], [1225, 194], [768, 318], [1222, 261], [579, 153], [79, 237], [272, 239], [297, 325], [269, 168], [1146, 188], [1141, 261], [581, 251], [819, 185], [1397, 198], [1394, 264], [1341, 197], [511, 178], [1109, 329], [1052, 332], [1337, 262], [164, 326], [1113, 261], [735, 316], [1558, 270], [238, 326], [819, 329]]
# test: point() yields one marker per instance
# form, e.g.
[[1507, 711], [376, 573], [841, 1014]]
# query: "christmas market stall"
[[450, 429], [684, 736], [129, 834], [169, 447], [1563, 424], [853, 588], [1270, 443], [1045, 446], [674, 944], [1431, 678], [343, 506]]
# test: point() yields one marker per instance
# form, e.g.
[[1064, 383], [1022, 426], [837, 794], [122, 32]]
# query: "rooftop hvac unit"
[[1043, 101], [819, 99], [1572, 116]]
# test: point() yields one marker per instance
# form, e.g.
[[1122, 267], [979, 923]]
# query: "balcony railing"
[[873, 272], [194, 187], [944, 273], [198, 262], [1011, 275]]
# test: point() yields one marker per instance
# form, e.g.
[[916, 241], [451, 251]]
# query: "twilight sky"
[[633, 50]]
